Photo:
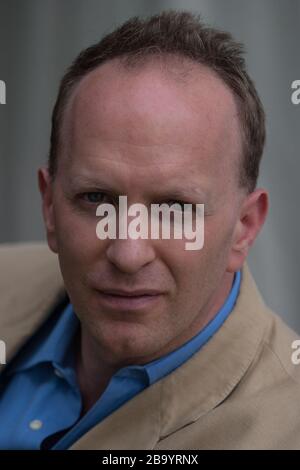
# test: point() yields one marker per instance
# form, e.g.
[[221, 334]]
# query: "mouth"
[[125, 300]]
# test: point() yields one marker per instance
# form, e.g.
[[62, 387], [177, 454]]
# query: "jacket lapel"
[[135, 425]]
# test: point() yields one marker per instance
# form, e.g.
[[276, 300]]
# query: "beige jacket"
[[240, 391]]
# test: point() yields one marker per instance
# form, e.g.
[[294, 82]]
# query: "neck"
[[92, 378]]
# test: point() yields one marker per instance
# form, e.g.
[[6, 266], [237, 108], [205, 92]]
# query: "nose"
[[129, 255]]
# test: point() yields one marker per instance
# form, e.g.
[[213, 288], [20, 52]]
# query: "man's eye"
[[95, 197]]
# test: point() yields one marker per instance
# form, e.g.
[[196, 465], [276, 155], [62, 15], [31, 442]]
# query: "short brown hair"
[[182, 34]]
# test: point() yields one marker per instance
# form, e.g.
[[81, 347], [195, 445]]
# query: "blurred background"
[[39, 39]]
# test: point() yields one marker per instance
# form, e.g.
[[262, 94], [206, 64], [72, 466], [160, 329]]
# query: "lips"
[[135, 293], [117, 299]]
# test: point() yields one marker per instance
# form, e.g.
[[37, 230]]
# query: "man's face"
[[154, 138]]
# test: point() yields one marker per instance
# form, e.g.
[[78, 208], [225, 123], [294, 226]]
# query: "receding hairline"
[[176, 67]]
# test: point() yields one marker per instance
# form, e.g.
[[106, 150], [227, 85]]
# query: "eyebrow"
[[189, 191], [182, 193], [80, 180]]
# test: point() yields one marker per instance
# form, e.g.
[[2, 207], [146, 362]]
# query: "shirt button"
[[58, 373], [35, 425]]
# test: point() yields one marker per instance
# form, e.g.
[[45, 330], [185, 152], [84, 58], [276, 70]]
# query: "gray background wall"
[[38, 40]]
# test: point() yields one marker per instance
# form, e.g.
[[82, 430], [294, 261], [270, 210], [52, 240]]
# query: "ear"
[[253, 213], [46, 190]]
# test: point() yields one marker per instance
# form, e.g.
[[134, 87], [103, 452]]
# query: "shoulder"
[[270, 390], [30, 277], [274, 376], [20, 261], [30, 286], [279, 349]]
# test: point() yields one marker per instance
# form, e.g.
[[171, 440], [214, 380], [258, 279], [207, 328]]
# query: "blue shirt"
[[39, 393]]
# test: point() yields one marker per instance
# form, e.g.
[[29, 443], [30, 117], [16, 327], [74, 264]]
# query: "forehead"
[[152, 117]]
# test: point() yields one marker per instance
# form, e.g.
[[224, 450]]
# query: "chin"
[[127, 345]]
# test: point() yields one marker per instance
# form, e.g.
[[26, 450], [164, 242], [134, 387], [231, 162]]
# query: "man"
[[143, 344]]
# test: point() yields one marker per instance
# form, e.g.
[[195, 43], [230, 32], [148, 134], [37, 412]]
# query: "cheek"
[[217, 244], [192, 269], [185, 266], [77, 242]]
